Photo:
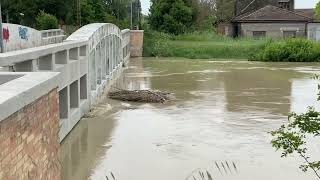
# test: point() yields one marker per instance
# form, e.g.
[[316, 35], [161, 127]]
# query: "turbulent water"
[[218, 122]]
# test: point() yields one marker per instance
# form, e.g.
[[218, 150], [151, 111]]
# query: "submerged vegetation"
[[199, 45]]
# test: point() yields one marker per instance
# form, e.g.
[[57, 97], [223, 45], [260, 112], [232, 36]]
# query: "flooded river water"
[[219, 122]]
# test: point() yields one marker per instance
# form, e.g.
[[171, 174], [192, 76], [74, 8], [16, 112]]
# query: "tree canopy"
[[318, 10], [71, 12], [171, 16]]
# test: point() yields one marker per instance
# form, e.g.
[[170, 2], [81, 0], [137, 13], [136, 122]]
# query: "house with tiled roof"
[[272, 19]]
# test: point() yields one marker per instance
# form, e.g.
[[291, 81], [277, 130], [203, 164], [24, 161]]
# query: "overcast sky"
[[299, 4]]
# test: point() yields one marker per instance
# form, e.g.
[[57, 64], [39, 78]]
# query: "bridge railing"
[[52, 36], [88, 61]]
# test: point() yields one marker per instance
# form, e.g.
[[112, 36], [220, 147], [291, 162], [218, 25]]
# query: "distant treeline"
[[72, 12]]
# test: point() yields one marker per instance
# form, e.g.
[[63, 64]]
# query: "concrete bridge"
[[45, 90]]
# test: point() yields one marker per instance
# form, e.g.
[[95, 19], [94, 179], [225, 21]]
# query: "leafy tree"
[[67, 11], [46, 21], [225, 10], [171, 16], [292, 138], [318, 10]]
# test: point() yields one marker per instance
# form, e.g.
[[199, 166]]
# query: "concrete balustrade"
[[88, 62], [52, 36]]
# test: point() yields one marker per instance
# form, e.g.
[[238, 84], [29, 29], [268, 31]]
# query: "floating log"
[[145, 96]]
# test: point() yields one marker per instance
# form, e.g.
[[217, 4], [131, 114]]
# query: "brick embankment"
[[29, 141]]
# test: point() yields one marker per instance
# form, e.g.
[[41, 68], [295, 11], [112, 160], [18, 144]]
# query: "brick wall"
[[29, 142]]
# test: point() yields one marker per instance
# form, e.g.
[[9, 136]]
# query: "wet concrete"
[[219, 122]]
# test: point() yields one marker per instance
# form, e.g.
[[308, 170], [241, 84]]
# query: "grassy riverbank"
[[199, 45]]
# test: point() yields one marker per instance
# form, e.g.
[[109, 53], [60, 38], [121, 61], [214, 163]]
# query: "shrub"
[[156, 43], [46, 21], [291, 50]]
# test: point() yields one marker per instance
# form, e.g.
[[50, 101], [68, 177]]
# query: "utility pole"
[[138, 11], [131, 17], [79, 12], [1, 31]]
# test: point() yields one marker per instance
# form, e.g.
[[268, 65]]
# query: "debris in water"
[[145, 96]]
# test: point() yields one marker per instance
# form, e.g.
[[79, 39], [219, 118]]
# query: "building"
[[272, 19]]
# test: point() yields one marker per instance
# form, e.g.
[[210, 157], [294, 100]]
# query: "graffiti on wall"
[[23, 33], [6, 34]]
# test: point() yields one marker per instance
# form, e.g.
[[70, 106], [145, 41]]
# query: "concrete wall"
[[314, 31], [136, 38], [273, 30], [17, 37]]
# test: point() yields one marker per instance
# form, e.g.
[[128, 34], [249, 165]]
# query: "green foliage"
[[317, 10], [122, 24], [290, 50], [171, 16], [46, 21], [225, 10], [67, 11], [208, 24], [293, 137], [155, 43], [198, 45]]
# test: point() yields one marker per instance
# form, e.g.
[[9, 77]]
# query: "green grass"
[[199, 45]]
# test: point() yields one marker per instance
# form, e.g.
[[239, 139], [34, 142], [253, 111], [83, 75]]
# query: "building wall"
[[226, 29], [29, 141], [314, 31], [273, 30]]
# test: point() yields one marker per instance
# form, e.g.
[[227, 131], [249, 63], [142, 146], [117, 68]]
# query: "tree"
[[318, 10], [67, 11], [46, 21], [171, 16], [225, 10], [206, 17], [292, 138]]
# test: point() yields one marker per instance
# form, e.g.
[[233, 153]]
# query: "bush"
[[46, 21], [291, 50], [156, 43]]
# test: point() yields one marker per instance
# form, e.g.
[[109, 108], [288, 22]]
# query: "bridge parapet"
[[88, 61], [46, 90]]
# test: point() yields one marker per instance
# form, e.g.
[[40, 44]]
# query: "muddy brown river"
[[218, 122]]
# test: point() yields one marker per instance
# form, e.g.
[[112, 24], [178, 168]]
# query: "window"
[[259, 34], [289, 34]]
